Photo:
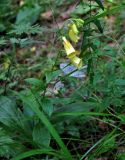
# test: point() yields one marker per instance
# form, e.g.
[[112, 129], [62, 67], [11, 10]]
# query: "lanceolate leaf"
[[32, 102], [98, 24], [36, 152], [41, 136], [99, 2]]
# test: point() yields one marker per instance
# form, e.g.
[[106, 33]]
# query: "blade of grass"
[[99, 142], [100, 4], [33, 103], [36, 152], [81, 114]]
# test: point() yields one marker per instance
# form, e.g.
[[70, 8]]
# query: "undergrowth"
[[62, 85]]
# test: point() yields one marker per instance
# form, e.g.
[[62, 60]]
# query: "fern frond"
[[25, 28]]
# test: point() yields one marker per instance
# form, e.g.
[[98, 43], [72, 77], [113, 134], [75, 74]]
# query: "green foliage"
[[6, 143], [51, 112], [28, 15], [25, 28]]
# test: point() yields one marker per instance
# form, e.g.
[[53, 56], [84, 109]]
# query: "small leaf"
[[122, 118], [98, 24], [14, 41], [2, 41], [51, 75], [99, 2]]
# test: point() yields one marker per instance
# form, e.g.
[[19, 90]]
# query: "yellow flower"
[[73, 33], [70, 51], [77, 61]]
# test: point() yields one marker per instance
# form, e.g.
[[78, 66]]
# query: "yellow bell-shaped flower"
[[77, 61], [73, 33], [70, 51]]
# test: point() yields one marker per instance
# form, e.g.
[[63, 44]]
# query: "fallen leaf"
[[47, 15]]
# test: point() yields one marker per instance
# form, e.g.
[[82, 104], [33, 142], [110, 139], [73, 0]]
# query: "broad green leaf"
[[73, 111], [33, 103], [122, 118], [6, 143], [47, 106], [77, 107], [41, 136], [80, 9], [107, 145], [12, 117], [8, 112], [8, 146], [28, 15]]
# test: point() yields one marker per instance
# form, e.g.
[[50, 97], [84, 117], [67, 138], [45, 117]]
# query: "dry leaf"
[[47, 15]]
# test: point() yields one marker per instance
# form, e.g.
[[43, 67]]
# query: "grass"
[[46, 113]]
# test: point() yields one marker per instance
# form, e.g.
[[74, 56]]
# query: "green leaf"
[[121, 156], [73, 131], [77, 107], [74, 110], [100, 4], [27, 29], [8, 112], [82, 114], [85, 41], [9, 146], [98, 24], [34, 82], [32, 102], [2, 41], [36, 152], [14, 41], [51, 75], [104, 142], [28, 15], [120, 82], [106, 12], [5, 143], [12, 117], [47, 106], [41, 136]]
